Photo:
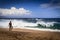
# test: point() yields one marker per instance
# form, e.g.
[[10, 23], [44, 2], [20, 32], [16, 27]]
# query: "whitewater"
[[28, 25]]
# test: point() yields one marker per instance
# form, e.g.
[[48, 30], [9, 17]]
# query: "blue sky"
[[30, 8]]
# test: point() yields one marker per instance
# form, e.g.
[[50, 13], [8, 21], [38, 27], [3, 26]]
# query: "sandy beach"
[[27, 34]]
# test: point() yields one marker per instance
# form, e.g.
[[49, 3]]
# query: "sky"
[[29, 8]]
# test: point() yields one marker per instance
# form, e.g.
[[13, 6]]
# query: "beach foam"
[[23, 24]]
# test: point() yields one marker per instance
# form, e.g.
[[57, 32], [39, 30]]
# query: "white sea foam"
[[16, 23], [47, 24], [43, 29], [23, 24]]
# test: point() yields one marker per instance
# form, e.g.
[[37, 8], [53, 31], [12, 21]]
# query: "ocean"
[[51, 24]]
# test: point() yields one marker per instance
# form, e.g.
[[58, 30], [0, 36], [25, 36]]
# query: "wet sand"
[[27, 34]]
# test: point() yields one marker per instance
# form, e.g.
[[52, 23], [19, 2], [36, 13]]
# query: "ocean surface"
[[51, 24]]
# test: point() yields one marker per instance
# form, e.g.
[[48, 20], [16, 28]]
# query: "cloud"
[[15, 11], [52, 3], [45, 5]]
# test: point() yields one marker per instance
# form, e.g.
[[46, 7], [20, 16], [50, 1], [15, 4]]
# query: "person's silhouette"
[[10, 26]]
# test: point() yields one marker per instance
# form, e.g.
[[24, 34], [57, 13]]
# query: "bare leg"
[[10, 28]]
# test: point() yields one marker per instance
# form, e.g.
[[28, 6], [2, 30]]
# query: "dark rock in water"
[[41, 26], [56, 26]]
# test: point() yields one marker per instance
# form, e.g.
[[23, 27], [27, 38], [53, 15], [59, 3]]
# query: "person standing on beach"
[[10, 26]]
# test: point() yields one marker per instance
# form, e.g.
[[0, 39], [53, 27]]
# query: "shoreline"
[[35, 29]]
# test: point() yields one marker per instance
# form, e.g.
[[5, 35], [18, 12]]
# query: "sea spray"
[[29, 24], [47, 24]]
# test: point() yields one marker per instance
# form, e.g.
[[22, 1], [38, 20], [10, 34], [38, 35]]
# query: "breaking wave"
[[39, 24]]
